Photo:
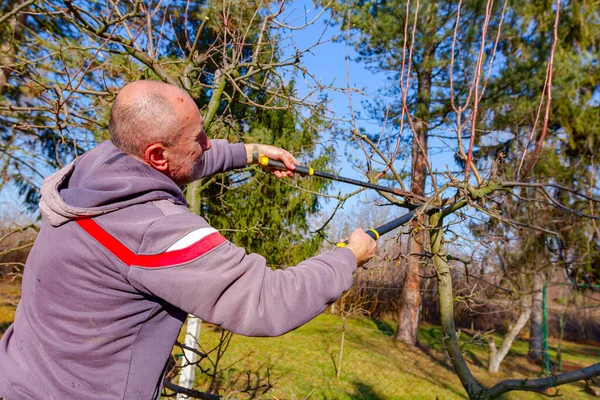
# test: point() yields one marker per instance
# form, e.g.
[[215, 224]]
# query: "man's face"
[[185, 155]]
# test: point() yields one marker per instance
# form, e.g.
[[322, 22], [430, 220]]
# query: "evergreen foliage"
[[568, 155], [377, 32], [259, 212]]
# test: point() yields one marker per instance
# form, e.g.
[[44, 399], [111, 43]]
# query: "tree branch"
[[541, 384], [15, 10]]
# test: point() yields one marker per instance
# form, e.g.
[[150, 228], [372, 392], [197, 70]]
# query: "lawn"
[[304, 363]]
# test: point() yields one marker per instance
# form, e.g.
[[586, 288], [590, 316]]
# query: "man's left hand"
[[278, 154]]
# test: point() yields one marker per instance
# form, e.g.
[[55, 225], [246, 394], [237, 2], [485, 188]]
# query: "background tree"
[[413, 41], [572, 122], [262, 214]]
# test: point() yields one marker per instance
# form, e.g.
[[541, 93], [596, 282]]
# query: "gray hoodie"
[[118, 264]]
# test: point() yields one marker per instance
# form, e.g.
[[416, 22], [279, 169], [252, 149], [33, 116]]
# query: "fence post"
[[192, 338], [545, 330]]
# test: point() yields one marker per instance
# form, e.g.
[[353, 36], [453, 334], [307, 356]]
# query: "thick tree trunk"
[[410, 311], [496, 357], [411, 304], [535, 352], [446, 299]]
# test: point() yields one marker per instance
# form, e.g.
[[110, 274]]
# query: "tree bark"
[[496, 357], [446, 298], [411, 303], [535, 352], [410, 311]]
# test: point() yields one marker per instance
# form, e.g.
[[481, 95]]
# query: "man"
[[120, 261]]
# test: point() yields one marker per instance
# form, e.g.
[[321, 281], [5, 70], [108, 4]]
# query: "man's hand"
[[274, 153], [362, 245]]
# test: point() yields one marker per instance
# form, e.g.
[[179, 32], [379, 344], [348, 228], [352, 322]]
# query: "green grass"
[[9, 295], [303, 363]]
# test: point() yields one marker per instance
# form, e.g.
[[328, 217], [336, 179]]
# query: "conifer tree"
[[569, 157], [383, 38]]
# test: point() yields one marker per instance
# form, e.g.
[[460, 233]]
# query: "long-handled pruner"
[[302, 170], [375, 233]]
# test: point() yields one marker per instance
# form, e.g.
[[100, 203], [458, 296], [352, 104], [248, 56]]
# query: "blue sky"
[[328, 63]]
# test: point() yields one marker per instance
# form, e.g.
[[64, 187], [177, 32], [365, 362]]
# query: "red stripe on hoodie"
[[129, 258]]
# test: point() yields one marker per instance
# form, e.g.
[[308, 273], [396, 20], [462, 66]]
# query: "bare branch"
[[541, 384], [540, 142], [16, 10]]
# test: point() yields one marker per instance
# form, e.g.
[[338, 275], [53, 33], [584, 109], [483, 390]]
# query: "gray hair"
[[134, 125]]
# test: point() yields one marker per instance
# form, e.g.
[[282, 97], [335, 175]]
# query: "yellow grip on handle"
[[375, 232]]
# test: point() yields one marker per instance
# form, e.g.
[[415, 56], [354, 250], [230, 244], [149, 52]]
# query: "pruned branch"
[[541, 384]]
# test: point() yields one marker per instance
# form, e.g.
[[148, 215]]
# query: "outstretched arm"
[[219, 283], [224, 156]]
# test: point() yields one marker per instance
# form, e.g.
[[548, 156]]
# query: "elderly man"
[[120, 261]]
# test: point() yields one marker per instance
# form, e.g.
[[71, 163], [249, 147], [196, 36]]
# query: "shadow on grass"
[[429, 352], [585, 351], [474, 359], [384, 327], [365, 392], [4, 326], [415, 368]]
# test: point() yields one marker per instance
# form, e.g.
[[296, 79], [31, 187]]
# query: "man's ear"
[[155, 157]]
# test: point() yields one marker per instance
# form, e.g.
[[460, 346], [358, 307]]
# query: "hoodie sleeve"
[[223, 285], [221, 157]]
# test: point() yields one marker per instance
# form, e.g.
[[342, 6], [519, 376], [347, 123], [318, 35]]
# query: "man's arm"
[[221, 157], [224, 156], [222, 284]]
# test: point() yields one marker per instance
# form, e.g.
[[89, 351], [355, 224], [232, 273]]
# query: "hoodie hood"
[[103, 180]]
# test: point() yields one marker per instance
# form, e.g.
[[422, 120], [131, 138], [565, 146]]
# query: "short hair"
[[134, 125]]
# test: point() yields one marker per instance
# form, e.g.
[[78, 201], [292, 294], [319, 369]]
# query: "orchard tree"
[[473, 87]]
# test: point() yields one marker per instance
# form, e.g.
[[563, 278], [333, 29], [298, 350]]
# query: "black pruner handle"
[[375, 233], [371, 232], [267, 162]]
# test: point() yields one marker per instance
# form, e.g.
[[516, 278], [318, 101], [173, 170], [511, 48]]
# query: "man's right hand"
[[362, 245]]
